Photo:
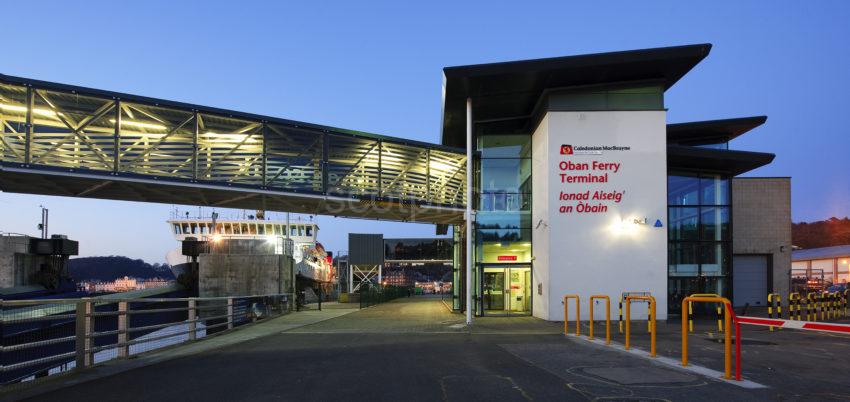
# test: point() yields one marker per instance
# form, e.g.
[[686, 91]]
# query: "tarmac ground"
[[415, 349]]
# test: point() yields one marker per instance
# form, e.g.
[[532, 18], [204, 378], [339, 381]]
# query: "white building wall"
[[605, 252]]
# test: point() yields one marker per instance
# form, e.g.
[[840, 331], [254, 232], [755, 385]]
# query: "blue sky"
[[377, 67]]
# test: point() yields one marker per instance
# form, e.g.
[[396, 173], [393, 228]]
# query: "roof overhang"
[[711, 131], [715, 160], [511, 90]]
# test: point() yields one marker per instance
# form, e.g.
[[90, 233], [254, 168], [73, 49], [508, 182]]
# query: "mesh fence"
[[373, 295]]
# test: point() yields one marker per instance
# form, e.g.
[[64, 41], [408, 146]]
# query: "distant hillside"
[[113, 267], [831, 232]]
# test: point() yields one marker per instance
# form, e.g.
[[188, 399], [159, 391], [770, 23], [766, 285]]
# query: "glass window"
[[682, 190], [504, 246], [504, 202], [684, 223], [308, 230], [505, 146], [714, 223], [715, 190], [503, 220], [504, 175], [293, 231], [176, 228], [683, 259], [713, 259]]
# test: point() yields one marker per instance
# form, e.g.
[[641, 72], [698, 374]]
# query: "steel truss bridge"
[[79, 142]]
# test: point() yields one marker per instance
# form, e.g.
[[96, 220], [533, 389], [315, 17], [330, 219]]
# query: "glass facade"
[[699, 235], [502, 245]]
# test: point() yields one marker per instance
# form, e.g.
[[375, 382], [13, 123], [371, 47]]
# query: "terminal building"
[[559, 176], [581, 186]]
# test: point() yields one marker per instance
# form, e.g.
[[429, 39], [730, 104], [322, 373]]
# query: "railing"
[[370, 296], [46, 337]]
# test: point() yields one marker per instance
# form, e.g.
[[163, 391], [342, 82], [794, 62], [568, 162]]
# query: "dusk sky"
[[377, 68]]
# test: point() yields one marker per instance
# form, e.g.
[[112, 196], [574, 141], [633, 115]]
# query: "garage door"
[[749, 280]]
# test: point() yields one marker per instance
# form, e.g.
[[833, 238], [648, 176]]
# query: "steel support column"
[[265, 134], [116, 138], [469, 219], [29, 130], [195, 135]]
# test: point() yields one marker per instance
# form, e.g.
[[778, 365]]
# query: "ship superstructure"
[[311, 260]]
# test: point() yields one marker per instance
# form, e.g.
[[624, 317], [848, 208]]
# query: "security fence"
[[370, 296], [41, 338]]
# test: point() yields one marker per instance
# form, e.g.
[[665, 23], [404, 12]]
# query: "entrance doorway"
[[506, 290]]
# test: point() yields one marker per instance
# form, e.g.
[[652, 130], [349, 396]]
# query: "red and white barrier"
[[794, 324]]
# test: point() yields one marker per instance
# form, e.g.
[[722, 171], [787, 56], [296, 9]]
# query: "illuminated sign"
[[506, 258]]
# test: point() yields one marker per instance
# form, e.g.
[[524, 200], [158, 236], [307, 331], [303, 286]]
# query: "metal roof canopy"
[[510, 90], [717, 160], [711, 131], [821, 253]]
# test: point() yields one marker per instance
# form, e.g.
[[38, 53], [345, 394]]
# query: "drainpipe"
[[469, 211]]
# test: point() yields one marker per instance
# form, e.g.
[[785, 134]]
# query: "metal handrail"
[[84, 313]]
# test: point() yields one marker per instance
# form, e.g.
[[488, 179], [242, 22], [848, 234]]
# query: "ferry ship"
[[312, 262]]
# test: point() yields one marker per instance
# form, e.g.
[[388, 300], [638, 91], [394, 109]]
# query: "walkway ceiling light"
[[140, 124], [23, 109]]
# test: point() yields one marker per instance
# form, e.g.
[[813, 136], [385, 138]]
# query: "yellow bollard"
[[794, 304], [771, 298], [846, 299], [727, 338], [652, 320], [566, 315], [811, 307], [607, 317]]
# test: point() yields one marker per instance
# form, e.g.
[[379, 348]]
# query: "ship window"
[[185, 228], [277, 229], [228, 229], [300, 230], [261, 229], [203, 228], [219, 228], [293, 231], [176, 228], [309, 230], [245, 229]]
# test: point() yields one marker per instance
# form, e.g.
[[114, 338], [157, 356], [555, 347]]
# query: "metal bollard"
[[652, 327], [607, 317], [794, 305], [846, 300], [566, 314], [620, 310], [771, 299], [811, 307]]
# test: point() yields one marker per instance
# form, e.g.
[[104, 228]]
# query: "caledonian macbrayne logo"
[[566, 149]]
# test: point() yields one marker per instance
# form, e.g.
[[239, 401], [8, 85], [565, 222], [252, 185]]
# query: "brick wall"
[[761, 219]]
